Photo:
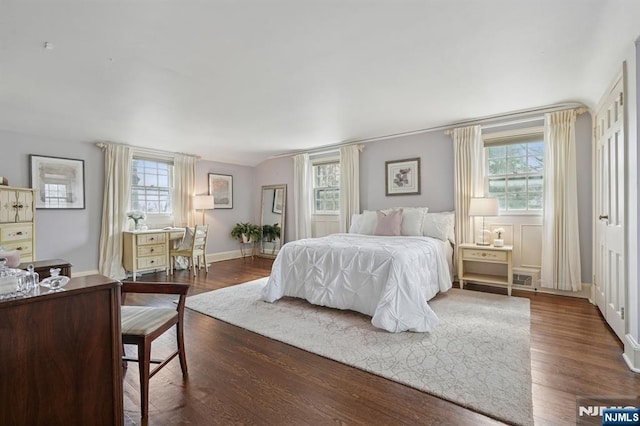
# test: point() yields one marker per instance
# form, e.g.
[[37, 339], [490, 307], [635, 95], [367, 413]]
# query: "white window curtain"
[[117, 185], [302, 196], [349, 184], [561, 243], [184, 187], [468, 177]]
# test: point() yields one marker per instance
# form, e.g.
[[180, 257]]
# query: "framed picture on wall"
[[221, 187], [403, 177], [59, 182]]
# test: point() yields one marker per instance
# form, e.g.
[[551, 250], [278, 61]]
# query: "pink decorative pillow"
[[12, 256], [389, 224]]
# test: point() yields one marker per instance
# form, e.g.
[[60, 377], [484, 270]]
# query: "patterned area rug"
[[477, 357]]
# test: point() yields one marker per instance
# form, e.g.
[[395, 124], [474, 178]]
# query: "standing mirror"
[[273, 206]]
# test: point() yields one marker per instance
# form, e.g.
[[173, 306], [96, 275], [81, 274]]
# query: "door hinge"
[[621, 98], [622, 312]]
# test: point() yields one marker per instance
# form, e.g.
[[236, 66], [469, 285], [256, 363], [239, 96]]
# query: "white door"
[[610, 257]]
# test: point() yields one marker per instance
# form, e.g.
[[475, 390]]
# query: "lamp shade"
[[484, 207], [203, 202]]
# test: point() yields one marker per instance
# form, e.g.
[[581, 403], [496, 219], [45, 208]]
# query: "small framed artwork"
[[277, 200], [403, 177], [59, 182], [221, 187]]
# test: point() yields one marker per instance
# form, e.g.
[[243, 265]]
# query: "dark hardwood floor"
[[236, 376]]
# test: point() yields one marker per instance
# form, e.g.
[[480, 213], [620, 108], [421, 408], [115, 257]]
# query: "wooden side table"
[[42, 267], [485, 254]]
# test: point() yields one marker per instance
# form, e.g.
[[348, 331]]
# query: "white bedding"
[[388, 278]]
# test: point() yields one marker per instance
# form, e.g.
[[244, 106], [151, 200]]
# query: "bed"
[[390, 278]]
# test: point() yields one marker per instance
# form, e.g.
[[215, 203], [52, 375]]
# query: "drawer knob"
[[19, 233], [152, 250], [484, 254], [19, 248], [153, 261], [152, 238]]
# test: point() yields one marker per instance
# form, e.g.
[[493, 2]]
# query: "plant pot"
[[245, 239], [498, 242]]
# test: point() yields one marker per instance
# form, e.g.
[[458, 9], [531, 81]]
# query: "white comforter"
[[389, 278]]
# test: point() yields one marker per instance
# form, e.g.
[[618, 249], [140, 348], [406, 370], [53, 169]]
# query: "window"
[[326, 187], [151, 186], [514, 168]]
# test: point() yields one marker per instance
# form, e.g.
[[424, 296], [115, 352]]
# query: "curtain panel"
[[349, 184], [184, 188], [302, 196], [117, 184], [561, 242], [468, 177]]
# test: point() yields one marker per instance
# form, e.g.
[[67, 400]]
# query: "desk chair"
[[193, 247], [141, 325]]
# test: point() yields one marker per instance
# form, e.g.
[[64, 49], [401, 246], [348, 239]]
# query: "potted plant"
[[246, 232]]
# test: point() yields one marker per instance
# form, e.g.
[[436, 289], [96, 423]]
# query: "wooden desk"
[[61, 356], [42, 267], [148, 250]]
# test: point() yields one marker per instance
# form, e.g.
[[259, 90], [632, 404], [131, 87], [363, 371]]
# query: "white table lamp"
[[203, 202], [484, 207]]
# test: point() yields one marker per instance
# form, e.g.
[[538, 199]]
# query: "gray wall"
[[221, 221], [275, 172], [435, 150], [72, 235]]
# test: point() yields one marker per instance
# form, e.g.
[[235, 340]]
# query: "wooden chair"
[[141, 325], [194, 248]]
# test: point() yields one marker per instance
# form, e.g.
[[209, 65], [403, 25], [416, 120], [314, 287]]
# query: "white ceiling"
[[239, 81]]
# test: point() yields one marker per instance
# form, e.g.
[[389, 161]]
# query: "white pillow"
[[355, 224], [368, 222], [440, 226], [412, 219]]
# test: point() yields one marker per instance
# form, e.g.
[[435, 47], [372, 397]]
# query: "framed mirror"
[[272, 210]]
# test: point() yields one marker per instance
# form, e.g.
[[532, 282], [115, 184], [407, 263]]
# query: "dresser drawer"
[[489, 255], [150, 250], [15, 233], [145, 239], [24, 247], [152, 262]]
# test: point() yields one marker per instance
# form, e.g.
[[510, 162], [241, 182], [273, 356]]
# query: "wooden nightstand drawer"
[[150, 250], [152, 262], [488, 255], [144, 239]]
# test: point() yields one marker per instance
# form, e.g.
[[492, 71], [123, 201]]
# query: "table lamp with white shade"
[[203, 202], [483, 206]]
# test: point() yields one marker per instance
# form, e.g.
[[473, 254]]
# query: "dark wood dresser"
[[60, 356], [42, 267]]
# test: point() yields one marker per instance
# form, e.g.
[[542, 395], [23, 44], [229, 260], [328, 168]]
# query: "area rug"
[[477, 357]]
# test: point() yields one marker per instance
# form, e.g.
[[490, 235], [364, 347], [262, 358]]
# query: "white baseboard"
[[84, 273], [631, 353], [223, 255], [585, 293]]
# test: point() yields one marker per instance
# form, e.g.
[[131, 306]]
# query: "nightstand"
[[485, 254]]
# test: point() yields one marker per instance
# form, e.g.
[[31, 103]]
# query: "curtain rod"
[[147, 150], [581, 108]]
